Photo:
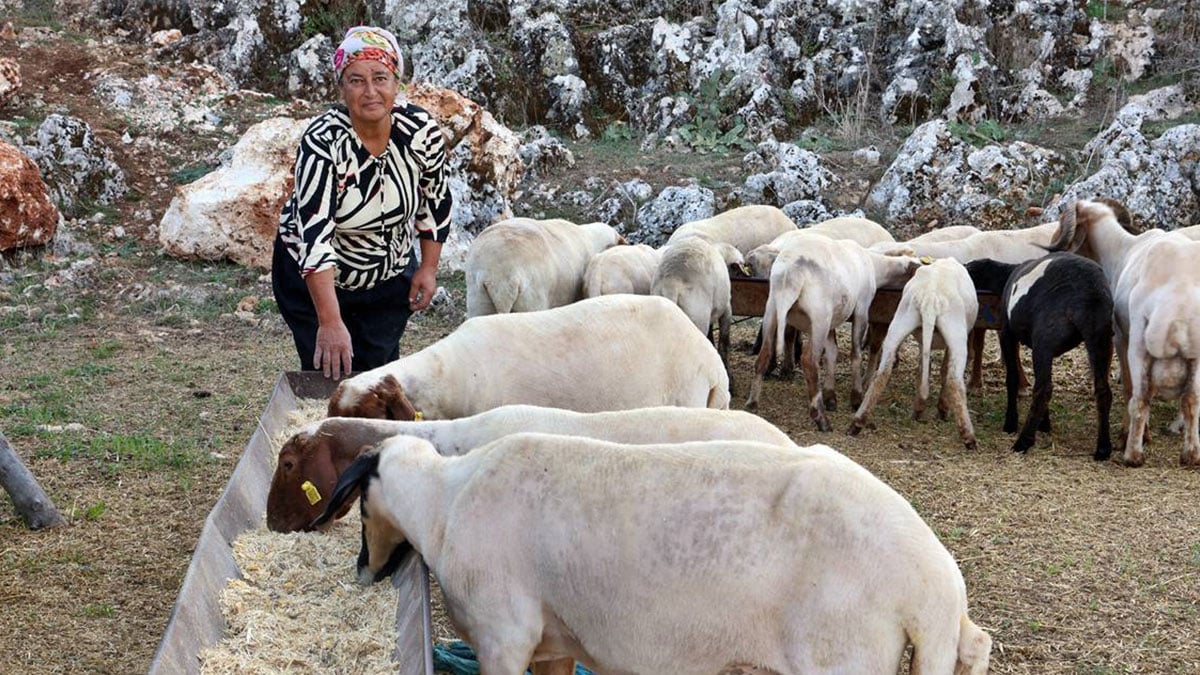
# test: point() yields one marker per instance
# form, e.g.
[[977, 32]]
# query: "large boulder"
[[937, 176], [674, 206], [78, 168], [27, 216], [233, 212], [10, 79], [1155, 178]]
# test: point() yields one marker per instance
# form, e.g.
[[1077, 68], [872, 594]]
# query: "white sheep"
[[609, 353], [687, 558], [621, 269], [862, 230], [522, 264], [1155, 285], [817, 284], [1007, 246], [321, 451], [950, 233], [941, 300], [744, 227], [693, 274]]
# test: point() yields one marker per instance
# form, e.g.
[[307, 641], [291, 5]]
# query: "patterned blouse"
[[355, 212]]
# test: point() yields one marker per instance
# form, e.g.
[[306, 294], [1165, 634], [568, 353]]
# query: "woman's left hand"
[[424, 285]]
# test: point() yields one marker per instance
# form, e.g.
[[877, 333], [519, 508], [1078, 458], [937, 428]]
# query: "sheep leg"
[[858, 342], [1189, 408], [943, 404], [791, 352], [1138, 410], [724, 323], [1043, 389], [829, 384], [954, 389], [810, 359], [503, 657], [976, 356], [922, 399], [1009, 350], [761, 365], [1099, 348], [902, 325]]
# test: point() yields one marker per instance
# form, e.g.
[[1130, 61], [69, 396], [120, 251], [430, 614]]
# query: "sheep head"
[[383, 544], [383, 399], [308, 468]]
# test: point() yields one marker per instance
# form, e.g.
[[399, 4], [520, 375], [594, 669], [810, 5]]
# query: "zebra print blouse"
[[355, 212]]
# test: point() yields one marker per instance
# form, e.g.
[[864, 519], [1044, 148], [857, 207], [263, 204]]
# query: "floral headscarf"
[[368, 43]]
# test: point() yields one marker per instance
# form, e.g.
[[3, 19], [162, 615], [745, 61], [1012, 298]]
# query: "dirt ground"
[[130, 388]]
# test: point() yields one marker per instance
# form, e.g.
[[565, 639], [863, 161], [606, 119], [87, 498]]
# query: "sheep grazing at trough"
[[614, 352], [951, 233], [621, 269], [550, 548], [313, 458], [522, 264], [743, 228], [1052, 305], [816, 285], [1155, 285], [862, 230], [693, 274], [939, 299]]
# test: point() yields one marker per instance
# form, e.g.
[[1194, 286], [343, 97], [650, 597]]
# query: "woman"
[[370, 180]]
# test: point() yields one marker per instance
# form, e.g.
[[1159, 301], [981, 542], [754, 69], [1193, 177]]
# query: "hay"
[[298, 607]]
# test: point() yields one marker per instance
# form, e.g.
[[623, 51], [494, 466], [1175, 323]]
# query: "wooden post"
[[31, 501]]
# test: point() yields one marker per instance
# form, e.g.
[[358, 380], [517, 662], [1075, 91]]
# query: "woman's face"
[[369, 90]]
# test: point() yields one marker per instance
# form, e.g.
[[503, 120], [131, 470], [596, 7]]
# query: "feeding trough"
[[196, 620], [748, 297]]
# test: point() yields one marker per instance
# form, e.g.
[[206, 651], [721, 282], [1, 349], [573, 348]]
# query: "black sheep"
[[1052, 304]]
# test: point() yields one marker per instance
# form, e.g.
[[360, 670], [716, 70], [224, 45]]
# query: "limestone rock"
[[10, 79], [674, 206], [27, 216], [78, 168], [233, 212]]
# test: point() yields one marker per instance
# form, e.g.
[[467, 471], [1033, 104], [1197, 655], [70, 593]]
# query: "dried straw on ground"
[[298, 607]]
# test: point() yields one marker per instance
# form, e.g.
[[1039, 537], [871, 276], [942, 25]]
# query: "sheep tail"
[[503, 295], [781, 306], [930, 310]]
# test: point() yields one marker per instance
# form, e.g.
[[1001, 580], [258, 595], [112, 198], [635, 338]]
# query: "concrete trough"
[[196, 621]]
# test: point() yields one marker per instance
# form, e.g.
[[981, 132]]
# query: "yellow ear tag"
[[417, 417], [926, 260], [311, 492]]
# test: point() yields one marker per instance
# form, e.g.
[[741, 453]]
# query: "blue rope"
[[458, 658]]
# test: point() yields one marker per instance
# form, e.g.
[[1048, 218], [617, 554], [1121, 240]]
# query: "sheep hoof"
[[1135, 459], [751, 405], [1010, 426], [918, 414], [830, 400], [855, 429], [1103, 453], [1188, 459], [1022, 445], [1044, 425], [856, 398], [970, 443]]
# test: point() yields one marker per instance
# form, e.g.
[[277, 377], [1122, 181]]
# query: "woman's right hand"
[[334, 351]]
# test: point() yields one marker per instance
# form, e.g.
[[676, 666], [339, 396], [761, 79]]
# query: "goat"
[[693, 274], [816, 284], [318, 453], [787, 559], [614, 352], [621, 269], [744, 227], [1156, 304], [1052, 305], [941, 298], [522, 264]]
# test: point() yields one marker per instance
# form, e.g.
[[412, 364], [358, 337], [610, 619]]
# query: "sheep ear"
[[350, 483], [396, 404]]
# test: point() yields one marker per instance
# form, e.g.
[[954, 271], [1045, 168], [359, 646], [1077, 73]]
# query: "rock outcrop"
[[27, 216]]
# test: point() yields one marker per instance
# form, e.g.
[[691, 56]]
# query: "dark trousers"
[[375, 317]]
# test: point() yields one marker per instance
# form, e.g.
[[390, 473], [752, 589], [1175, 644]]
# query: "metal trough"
[[196, 621], [749, 298]]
